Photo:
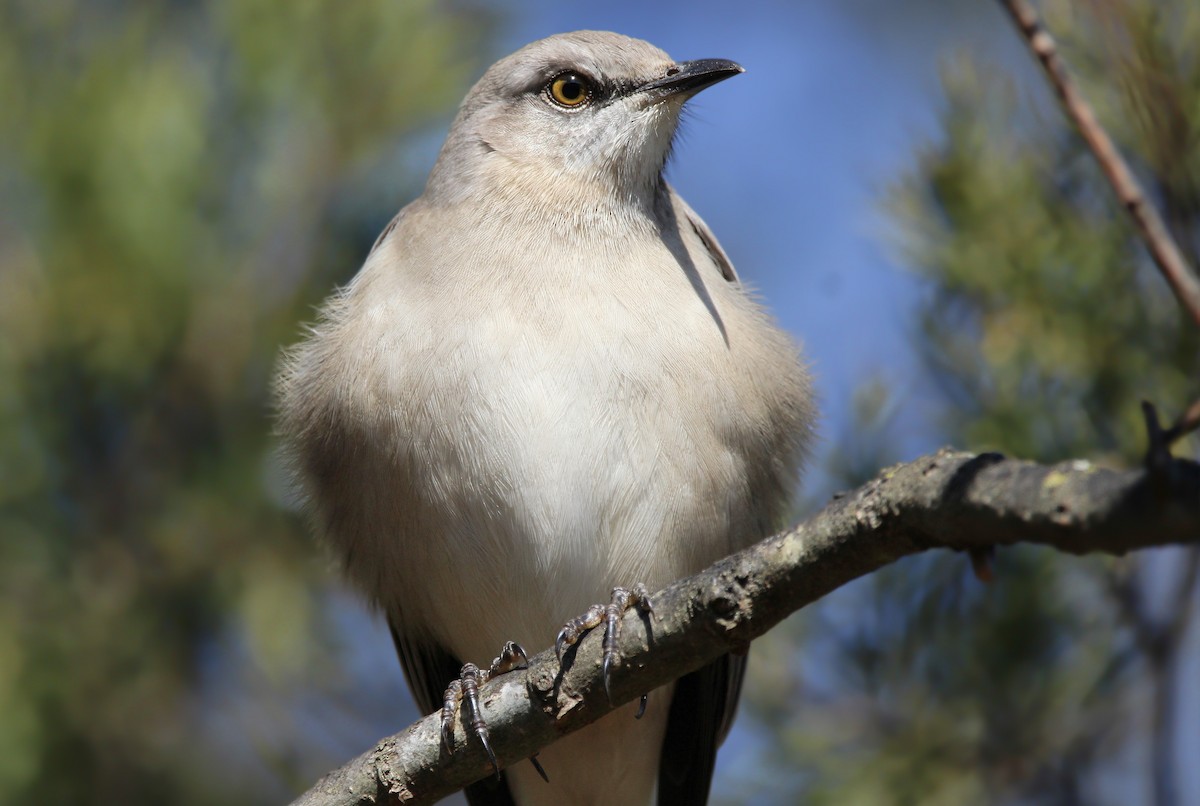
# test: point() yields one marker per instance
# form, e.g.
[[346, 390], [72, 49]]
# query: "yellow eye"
[[570, 90]]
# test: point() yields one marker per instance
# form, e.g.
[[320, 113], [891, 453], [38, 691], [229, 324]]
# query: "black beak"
[[688, 78]]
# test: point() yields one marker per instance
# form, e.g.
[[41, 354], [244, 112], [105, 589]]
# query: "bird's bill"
[[688, 78]]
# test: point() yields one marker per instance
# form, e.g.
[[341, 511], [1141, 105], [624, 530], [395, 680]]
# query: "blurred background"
[[182, 182]]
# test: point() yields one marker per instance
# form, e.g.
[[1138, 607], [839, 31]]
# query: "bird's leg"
[[466, 687], [623, 599]]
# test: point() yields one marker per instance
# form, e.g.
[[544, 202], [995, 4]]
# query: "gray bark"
[[954, 500]]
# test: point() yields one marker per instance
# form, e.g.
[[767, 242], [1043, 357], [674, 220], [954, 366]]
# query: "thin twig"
[[1166, 253], [1188, 422], [1158, 453], [1162, 247], [1161, 439]]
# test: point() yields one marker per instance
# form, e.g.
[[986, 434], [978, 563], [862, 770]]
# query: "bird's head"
[[590, 111]]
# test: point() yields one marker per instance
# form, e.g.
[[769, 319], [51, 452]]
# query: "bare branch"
[[1187, 422], [950, 500], [1166, 253]]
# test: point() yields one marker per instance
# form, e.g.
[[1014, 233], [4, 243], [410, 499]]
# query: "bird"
[[547, 381]]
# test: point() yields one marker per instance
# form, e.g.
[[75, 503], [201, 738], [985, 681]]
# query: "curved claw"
[[559, 642], [464, 692], [537, 765], [483, 739], [642, 706], [606, 669], [450, 702]]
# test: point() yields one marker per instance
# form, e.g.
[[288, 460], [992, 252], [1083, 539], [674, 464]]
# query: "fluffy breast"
[[542, 430]]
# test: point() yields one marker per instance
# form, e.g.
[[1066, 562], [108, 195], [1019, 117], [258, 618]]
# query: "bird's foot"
[[466, 688], [623, 599]]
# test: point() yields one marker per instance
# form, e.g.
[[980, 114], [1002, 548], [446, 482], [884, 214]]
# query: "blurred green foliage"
[[1044, 325], [180, 183]]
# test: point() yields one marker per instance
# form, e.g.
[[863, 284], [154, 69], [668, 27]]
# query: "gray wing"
[[707, 238], [383, 236]]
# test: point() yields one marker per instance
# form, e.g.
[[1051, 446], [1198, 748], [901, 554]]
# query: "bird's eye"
[[570, 90]]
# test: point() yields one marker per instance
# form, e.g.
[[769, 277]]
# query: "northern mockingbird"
[[547, 381]]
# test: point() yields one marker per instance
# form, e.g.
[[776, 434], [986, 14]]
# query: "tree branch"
[[949, 500], [1158, 240], [1154, 233]]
